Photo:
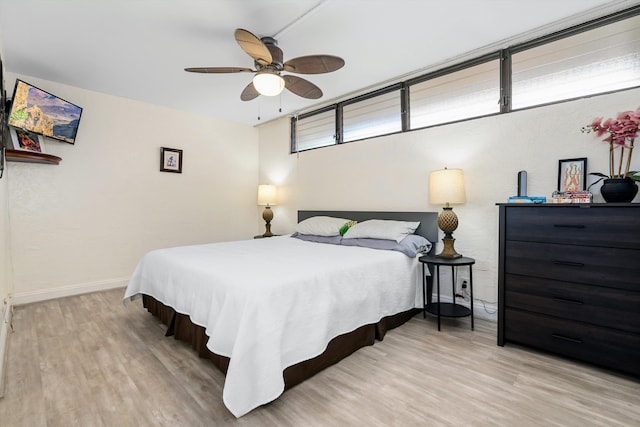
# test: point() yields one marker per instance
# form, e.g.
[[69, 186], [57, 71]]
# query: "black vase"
[[618, 190]]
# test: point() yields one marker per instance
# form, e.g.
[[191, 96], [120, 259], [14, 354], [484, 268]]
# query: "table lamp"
[[446, 187], [267, 197]]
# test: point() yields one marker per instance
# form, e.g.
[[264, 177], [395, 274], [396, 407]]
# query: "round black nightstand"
[[445, 309]]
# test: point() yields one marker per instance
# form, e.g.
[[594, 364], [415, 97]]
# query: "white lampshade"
[[268, 83], [267, 195], [446, 186]]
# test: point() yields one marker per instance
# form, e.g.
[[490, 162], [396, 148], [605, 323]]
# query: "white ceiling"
[[138, 49]]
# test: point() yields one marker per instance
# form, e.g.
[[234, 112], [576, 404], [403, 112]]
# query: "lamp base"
[[448, 251], [267, 215], [448, 222]]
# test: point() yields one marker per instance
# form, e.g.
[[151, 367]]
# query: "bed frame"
[[181, 327]]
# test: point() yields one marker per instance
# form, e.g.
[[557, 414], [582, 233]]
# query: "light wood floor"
[[89, 361]]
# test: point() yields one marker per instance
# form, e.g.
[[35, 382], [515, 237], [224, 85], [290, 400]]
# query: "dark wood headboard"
[[428, 227]]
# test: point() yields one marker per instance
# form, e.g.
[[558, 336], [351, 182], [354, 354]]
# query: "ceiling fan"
[[269, 64]]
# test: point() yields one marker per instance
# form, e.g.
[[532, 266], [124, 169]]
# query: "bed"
[[270, 313]]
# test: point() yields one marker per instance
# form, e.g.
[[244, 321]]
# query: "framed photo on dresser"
[[572, 174]]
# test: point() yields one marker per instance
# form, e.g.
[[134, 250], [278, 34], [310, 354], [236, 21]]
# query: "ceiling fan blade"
[[249, 93], [302, 87], [219, 70], [314, 64], [253, 46]]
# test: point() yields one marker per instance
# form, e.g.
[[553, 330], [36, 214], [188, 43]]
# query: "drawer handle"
[[569, 226], [562, 337], [568, 301], [568, 263]]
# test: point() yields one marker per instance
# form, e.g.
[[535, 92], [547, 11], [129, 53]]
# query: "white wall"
[[391, 173], [90, 219]]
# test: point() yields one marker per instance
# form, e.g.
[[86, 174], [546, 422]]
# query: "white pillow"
[[321, 226], [381, 229]]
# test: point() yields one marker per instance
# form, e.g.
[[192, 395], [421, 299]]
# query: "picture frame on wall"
[[572, 174], [26, 141], [170, 160]]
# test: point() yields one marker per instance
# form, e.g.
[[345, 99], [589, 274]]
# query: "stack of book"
[[571, 197]]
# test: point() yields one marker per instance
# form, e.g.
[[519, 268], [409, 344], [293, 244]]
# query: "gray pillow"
[[411, 245], [333, 240]]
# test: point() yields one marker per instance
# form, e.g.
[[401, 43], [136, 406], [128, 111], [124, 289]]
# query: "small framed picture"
[[572, 174], [170, 160], [26, 141]]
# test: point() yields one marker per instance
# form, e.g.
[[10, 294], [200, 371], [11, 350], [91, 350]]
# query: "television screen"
[[40, 112]]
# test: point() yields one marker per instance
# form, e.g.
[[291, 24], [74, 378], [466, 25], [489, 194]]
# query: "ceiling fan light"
[[268, 83]]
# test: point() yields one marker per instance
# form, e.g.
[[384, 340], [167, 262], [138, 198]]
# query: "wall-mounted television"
[[40, 112]]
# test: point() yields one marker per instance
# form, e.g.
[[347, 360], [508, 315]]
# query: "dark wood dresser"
[[569, 281]]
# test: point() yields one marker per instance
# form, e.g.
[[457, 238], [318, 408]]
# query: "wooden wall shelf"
[[31, 157]]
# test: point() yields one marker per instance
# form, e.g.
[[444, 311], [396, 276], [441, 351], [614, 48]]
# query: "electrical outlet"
[[464, 284]]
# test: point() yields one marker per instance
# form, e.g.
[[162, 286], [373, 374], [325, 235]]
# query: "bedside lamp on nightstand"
[[446, 187], [267, 197]]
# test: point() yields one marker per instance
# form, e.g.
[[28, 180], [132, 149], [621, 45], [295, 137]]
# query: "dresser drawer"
[[613, 308], [595, 226], [601, 346], [609, 267]]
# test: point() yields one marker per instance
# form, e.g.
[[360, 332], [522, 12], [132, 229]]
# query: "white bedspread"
[[270, 303]]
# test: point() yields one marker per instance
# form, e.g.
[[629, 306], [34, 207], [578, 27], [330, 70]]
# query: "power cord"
[[485, 307], [465, 296]]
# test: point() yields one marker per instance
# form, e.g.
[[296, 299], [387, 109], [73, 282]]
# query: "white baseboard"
[[22, 298], [481, 310], [4, 342]]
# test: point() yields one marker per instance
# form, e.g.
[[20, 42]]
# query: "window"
[[470, 92], [315, 130], [595, 57], [596, 61], [372, 116]]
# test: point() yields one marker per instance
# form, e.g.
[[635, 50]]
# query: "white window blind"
[[375, 116], [471, 92], [599, 60], [315, 131]]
